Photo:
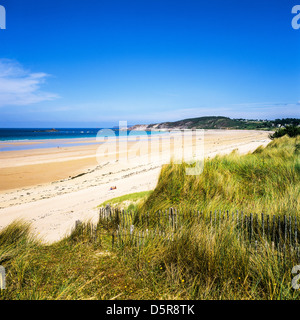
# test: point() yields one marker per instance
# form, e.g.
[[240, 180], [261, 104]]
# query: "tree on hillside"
[[291, 131]]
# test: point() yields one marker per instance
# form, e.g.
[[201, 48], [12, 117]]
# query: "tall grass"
[[199, 261], [267, 180], [205, 262], [77, 267]]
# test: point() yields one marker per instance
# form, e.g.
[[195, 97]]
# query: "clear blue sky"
[[71, 63]]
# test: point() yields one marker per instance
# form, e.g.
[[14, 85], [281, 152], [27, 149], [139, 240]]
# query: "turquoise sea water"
[[38, 138]]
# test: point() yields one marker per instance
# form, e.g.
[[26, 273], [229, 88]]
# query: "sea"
[[38, 138]]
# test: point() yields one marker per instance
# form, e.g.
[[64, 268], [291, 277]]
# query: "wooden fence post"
[[296, 230], [278, 228], [246, 227], [262, 225], [242, 224], [285, 229], [159, 224], [290, 230], [139, 240], [268, 227], [123, 215], [131, 229], [131, 216], [237, 224], [95, 233], [112, 240], [108, 210], [171, 217], [255, 225], [215, 218], [251, 227], [274, 222], [77, 224]]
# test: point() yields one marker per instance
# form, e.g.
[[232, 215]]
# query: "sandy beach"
[[53, 187]]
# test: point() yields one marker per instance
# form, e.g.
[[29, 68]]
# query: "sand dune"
[[52, 188]]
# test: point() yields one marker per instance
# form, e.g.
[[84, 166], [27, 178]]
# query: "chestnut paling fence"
[[130, 228]]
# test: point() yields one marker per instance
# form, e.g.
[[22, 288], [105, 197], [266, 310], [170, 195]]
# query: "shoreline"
[[61, 186], [36, 144]]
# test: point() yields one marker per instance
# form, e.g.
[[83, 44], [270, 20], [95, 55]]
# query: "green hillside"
[[216, 123], [220, 122]]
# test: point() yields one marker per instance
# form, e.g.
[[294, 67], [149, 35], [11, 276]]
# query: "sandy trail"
[[52, 206]]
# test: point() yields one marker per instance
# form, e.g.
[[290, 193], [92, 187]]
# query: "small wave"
[[16, 140]]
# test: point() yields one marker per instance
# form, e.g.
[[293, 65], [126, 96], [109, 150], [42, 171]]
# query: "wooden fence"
[[131, 228]]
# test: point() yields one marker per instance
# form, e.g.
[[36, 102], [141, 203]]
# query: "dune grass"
[[128, 200], [267, 180], [209, 263], [76, 267], [201, 262]]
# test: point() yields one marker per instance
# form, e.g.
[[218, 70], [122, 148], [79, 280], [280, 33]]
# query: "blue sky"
[[92, 63]]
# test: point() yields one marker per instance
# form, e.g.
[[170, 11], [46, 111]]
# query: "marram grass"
[[201, 262], [267, 180]]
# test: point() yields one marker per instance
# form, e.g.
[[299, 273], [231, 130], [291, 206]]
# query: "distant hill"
[[218, 122]]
